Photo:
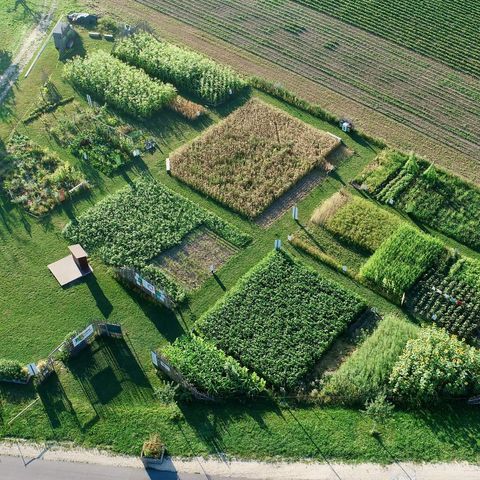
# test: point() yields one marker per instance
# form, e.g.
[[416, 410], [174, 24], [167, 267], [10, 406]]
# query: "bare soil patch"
[[189, 262], [302, 188]]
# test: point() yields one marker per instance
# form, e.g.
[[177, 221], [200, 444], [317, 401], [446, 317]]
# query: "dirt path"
[[251, 470], [31, 43]]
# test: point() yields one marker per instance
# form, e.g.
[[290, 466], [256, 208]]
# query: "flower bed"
[[37, 179]]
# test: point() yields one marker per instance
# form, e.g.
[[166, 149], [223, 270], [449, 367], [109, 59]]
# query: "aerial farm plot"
[[280, 319], [135, 225], [252, 157]]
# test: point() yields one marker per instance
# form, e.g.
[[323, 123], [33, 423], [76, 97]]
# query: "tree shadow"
[[5, 60], [27, 10], [77, 50]]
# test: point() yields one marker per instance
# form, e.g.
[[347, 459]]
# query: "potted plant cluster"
[[153, 451]]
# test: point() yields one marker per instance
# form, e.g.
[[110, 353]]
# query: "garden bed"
[[252, 157], [430, 195], [139, 222], [189, 262], [97, 137], [37, 179]]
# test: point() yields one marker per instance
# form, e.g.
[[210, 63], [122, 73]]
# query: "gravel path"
[[212, 468], [30, 45]]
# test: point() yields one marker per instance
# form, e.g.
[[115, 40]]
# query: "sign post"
[[295, 213]]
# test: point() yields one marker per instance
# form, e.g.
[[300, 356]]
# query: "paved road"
[[12, 468]]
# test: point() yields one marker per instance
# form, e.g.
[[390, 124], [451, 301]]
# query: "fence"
[[161, 363], [41, 370], [145, 286]]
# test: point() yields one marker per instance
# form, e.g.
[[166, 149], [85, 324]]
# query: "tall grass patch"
[[280, 319], [356, 220], [401, 260], [252, 157], [365, 374]]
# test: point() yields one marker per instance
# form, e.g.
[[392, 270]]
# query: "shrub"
[[190, 71], [252, 157], [186, 108], [360, 222], [401, 260], [124, 87], [11, 370], [280, 319], [365, 374], [435, 365], [153, 447], [206, 367]]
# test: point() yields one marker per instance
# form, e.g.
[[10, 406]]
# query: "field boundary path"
[[30, 44], [30, 453]]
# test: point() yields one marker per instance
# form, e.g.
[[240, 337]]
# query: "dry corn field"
[[417, 92], [252, 157]]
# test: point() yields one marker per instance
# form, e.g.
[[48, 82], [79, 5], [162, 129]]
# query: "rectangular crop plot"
[[402, 259], [430, 195], [280, 319], [190, 261], [137, 223], [356, 220], [449, 295], [252, 157]]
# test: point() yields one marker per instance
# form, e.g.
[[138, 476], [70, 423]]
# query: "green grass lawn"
[[105, 396]]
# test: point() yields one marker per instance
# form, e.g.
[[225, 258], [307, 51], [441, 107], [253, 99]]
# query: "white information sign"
[[148, 286], [154, 357], [88, 332]]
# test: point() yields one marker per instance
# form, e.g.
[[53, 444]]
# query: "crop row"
[[432, 196], [343, 73], [401, 260], [120, 85], [209, 370], [444, 30], [187, 70]]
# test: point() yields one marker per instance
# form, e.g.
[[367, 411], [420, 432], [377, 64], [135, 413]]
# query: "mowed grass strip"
[[251, 158], [280, 319], [356, 220], [366, 372], [401, 260]]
